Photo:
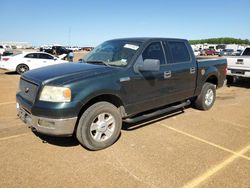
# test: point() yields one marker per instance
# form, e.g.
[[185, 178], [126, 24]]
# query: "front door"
[[147, 89]]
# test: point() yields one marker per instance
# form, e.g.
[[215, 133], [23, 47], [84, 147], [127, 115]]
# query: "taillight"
[[225, 69], [5, 59]]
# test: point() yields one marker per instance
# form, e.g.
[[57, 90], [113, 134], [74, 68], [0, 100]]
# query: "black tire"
[[230, 79], [98, 116], [22, 68], [207, 97]]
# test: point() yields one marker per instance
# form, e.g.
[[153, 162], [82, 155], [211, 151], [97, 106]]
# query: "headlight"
[[55, 94]]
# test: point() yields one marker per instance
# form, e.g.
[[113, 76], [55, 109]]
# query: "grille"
[[28, 90]]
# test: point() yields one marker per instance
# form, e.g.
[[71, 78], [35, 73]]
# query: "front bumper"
[[57, 127]]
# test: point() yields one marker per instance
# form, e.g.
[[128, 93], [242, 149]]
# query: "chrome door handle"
[[192, 70], [167, 74]]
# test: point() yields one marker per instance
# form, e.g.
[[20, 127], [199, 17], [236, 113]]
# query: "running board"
[[157, 113]]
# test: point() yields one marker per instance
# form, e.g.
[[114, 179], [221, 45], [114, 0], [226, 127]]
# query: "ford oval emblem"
[[27, 90]]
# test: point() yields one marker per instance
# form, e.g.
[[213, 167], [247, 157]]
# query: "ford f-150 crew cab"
[[121, 80], [239, 66]]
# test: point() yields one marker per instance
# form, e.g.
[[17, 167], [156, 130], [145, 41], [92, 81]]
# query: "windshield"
[[113, 53]]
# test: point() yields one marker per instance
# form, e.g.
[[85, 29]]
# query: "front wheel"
[[22, 68], [99, 126], [207, 97]]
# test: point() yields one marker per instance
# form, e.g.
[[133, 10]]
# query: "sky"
[[88, 23]]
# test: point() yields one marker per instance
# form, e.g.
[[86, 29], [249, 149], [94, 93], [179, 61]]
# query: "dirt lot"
[[190, 148]]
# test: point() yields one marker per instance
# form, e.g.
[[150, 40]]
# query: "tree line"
[[225, 40]]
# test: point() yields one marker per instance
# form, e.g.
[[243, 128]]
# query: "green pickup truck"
[[121, 80]]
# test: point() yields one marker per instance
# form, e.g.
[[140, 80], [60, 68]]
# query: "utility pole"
[[69, 36]]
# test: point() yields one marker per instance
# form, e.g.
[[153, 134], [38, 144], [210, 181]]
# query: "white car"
[[28, 61], [4, 48]]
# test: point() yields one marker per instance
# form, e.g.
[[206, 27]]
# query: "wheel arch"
[[213, 79], [111, 98]]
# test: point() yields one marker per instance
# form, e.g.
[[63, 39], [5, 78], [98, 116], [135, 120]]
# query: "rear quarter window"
[[179, 52], [32, 55], [246, 52]]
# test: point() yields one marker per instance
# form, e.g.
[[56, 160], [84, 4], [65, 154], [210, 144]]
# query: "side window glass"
[[32, 55], [179, 52], [45, 56], [154, 51], [246, 52]]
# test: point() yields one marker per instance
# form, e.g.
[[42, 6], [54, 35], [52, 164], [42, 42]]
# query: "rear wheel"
[[207, 97], [22, 68], [99, 126]]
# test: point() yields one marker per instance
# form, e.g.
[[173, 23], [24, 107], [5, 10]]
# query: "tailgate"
[[240, 62]]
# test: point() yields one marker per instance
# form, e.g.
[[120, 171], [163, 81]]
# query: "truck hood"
[[64, 73]]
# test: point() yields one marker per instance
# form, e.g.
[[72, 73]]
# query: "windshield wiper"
[[98, 62]]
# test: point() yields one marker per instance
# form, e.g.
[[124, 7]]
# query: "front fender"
[[84, 92]]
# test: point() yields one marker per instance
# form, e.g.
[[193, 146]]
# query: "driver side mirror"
[[149, 65]]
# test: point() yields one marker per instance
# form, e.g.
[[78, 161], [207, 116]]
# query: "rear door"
[[46, 59], [32, 60], [180, 72]]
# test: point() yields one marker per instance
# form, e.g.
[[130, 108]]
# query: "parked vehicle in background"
[[88, 49], [5, 48], [121, 80], [73, 48], [28, 61], [239, 66], [2, 49], [197, 52], [209, 52], [226, 52], [237, 53], [56, 50]]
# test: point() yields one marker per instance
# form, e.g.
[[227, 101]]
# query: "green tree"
[[222, 40]]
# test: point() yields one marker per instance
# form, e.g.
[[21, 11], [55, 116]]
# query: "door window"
[[179, 52], [154, 51], [31, 55], [45, 56]]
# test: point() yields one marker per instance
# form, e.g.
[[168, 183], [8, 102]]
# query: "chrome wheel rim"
[[209, 97], [102, 127], [23, 69]]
